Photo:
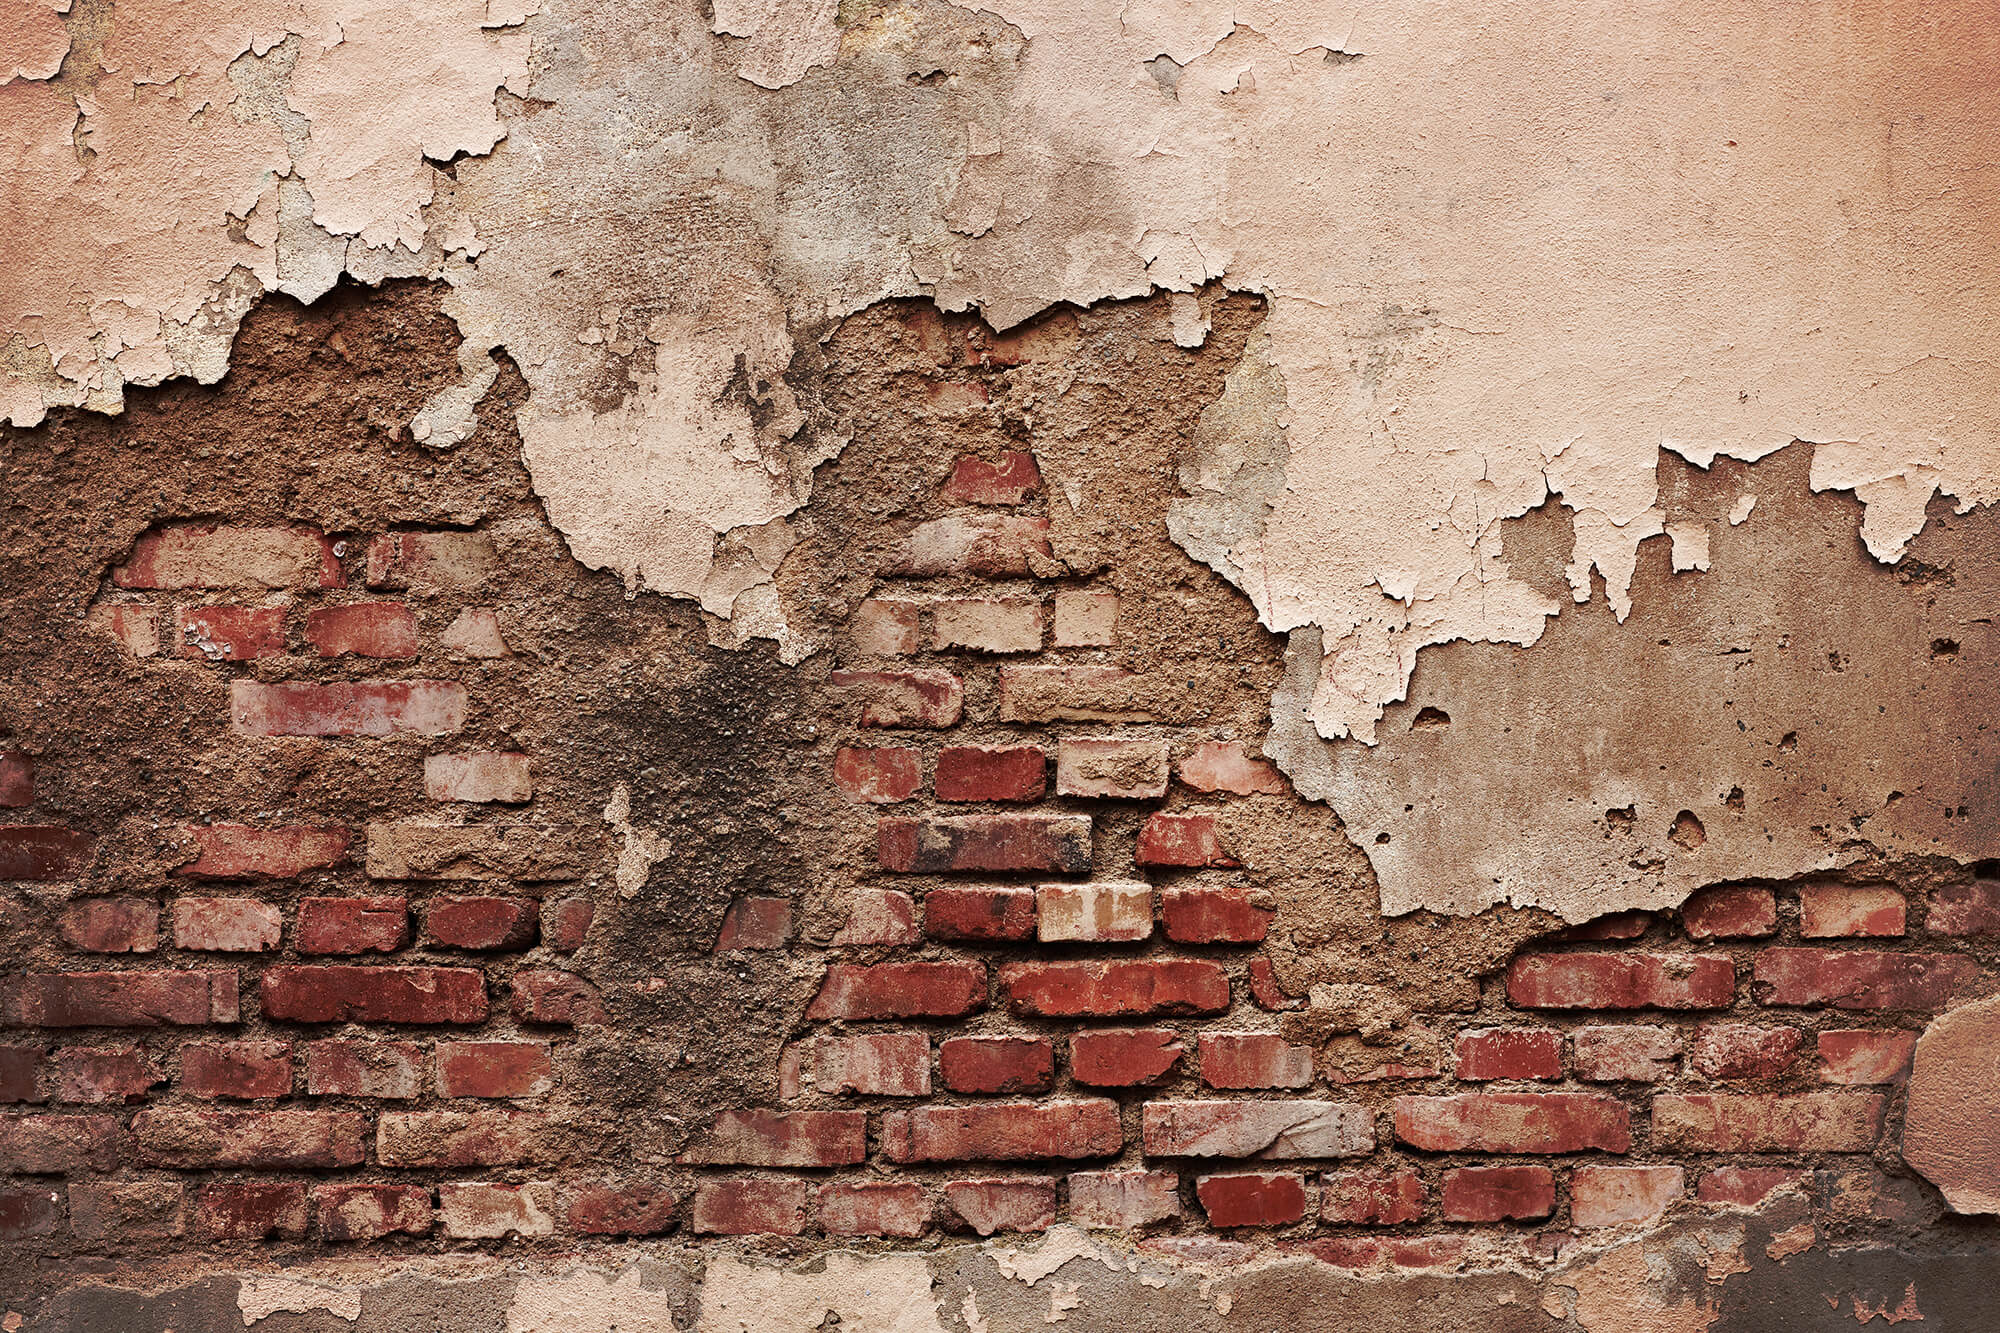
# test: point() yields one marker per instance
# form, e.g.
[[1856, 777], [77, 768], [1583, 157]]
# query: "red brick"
[[230, 633], [1266, 1199], [246, 1069], [353, 925], [1038, 694], [1859, 1056], [878, 916], [879, 776], [1604, 1196], [1491, 1053], [127, 1210], [17, 779], [481, 923], [136, 628], [900, 990], [1059, 843], [1123, 1059], [1832, 910], [980, 482], [381, 1069], [1266, 1129], [983, 545], [884, 627], [1111, 768], [490, 777], [493, 1069], [1758, 1122], [627, 1208], [755, 923], [1085, 619], [987, 624], [1123, 1199], [369, 1212], [373, 994], [783, 1138], [1011, 1203], [273, 1140], [1390, 1252], [1730, 913], [1615, 926], [1622, 981], [991, 773], [1745, 1186], [29, 1212], [476, 1210], [1636, 1054], [1498, 1193], [1182, 840], [187, 997], [37, 852], [205, 555], [1265, 990], [112, 925], [1254, 1060], [560, 999], [363, 629], [20, 1069], [39, 1145], [750, 1207], [1134, 989], [92, 1074], [227, 925], [251, 1209], [997, 1064], [1517, 1122], [1002, 1132], [1100, 912], [874, 1210], [239, 851], [903, 698], [1739, 1050], [1861, 980], [874, 1064], [566, 923], [351, 708], [1378, 1198], [1966, 909], [431, 560], [1216, 916], [1222, 766], [979, 914], [460, 1138]]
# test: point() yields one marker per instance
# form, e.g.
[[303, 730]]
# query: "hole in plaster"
[[1687, 832], [1166, 72], [1622, 819], [1735, 798], [1788, 743], [1381, 838], [1428, 717], [1944, 647]]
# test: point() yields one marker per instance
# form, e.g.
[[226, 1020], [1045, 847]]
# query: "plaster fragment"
[[589, 1301], [885, 1293], [260, 1296], [33, 40]]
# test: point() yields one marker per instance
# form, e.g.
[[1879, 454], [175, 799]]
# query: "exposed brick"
[[230, 633], [430, 560], [479, 922], [17, 779], [1182, 840], [475, 1210], [885, 1209], [926, 698], [1408, 1253], [493, 1069], [1516, 1122], [475, 632], [20, 1074], [1222, 766], [1058, 843], [1123, 1199], [1378, 1198], [978, 481], [1038, 694], [750, 1207], [783, 1138], [900, 990], [1264, 1129], [1254, 1060], [118, 999], [1123, 1059], [245, 1069], [1135, 989], [1111, 768], [1265, 990], [136, 628], [310, 994], [41, 852], [1007, 1131], [363, 629], [560, 999], [566, 923], [1622, 981], [991, 773], [878, 916], [1636, 1054], [1740, 1050], [29, 1212], [272, 1140], [369, 1212], [755, 923], [38, 1145], [1498, 1193], [1195, 915], [879, 776], [353, 925], [1758, 1122], [1085, 619], [1744, 1186], [979, 913], [527, 853], [127, 1210], [1265, 1199], [1966, 909], [996, 1064], [1834, 910], [884, 627], [380, 1069], [204, 555], [486, 777], [987, 624], [1612, 926], [460, 1138], [1493, 1053], [1096, 913], [1730, 913], [96, 1074], [1860, 1056], [624, 1208], [983, 545], [227, 925], [1606, 1196], [874, 1064], [1861, 980], [1008, 1203], [349, 708], [251, 1209], [112, 925]]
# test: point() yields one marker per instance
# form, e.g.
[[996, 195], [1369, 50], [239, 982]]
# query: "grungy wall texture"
[[1170, 665]]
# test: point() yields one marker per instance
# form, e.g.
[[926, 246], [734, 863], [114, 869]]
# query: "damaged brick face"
[[382, 884]]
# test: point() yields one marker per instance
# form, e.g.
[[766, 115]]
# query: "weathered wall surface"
[[1173, 666]]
